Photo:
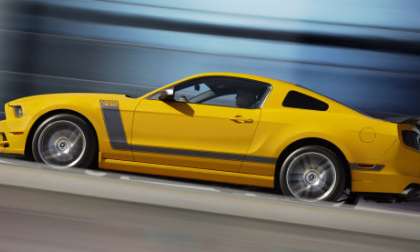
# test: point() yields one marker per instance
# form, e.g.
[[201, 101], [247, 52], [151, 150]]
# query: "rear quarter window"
[[296, 99]]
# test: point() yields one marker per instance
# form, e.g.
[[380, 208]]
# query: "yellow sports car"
[[224, 127]]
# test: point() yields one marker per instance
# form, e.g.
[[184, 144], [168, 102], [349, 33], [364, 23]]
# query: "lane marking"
[[201, 188], [7, 162], [338, 204], [362, 205], [95, 173], [377, 208]]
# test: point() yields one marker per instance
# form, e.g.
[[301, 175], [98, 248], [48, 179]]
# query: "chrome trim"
[[267, 94], [311, 176], [61, 147]]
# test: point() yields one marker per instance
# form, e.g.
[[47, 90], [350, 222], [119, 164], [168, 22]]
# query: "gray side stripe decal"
[[258, 159], [366, 167], [118, 140], [114, 126]]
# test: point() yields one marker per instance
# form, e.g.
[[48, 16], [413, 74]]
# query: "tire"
[[313, 173], [65, 140]]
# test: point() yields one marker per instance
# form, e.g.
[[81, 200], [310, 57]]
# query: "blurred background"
[[362, 53]]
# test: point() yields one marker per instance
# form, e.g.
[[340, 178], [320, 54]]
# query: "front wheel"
[[65, 140], [313, 173]]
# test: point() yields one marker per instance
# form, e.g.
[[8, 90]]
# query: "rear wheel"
[[313, 173], [65, 140]]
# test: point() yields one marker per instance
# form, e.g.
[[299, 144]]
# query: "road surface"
[[81, 210]]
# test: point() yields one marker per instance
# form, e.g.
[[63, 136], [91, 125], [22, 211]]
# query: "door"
[[208, 123]]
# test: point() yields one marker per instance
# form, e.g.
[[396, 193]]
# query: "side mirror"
[[167, 95]]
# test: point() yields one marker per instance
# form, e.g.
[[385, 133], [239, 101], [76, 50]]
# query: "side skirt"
[[188, 173]]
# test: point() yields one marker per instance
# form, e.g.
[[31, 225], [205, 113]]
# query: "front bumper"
[[401, 169], [12, 141]]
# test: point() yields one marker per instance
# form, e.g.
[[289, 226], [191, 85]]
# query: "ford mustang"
[[223, 127]]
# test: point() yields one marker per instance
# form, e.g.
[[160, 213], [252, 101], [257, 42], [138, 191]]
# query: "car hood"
[[71, 101], [61, 96]]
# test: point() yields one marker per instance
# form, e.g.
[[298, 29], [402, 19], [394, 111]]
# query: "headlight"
[[411, 138], [18, 110]]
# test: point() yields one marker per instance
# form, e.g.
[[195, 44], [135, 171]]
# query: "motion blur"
[[362, 53]]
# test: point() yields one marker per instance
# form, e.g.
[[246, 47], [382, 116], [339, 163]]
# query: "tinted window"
[[295, 99], [222, 91], [189, 92], [224, 100]]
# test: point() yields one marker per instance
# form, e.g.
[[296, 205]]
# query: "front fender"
[[87, 106]]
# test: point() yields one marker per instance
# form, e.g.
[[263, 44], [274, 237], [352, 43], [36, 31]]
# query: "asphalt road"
[[125, 212], [33, 220]]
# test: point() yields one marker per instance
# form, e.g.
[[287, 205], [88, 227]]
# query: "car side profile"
[[224, 127]]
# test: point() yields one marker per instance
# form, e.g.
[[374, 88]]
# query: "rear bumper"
[[401, 169], [11, 141]]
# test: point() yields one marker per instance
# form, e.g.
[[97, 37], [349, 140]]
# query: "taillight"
[[411, 138]]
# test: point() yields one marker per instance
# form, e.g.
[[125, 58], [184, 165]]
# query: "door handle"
[[240, 119], [248, 120]]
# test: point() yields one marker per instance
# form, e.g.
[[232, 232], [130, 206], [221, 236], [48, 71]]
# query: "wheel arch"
[[43, 117], [312, 141]]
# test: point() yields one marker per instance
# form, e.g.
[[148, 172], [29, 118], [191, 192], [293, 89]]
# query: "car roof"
[[244, 76], [273, 82]]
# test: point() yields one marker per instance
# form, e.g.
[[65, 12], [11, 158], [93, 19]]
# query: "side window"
[[295, 99], [190, 92], [223, 100], [221, 91]]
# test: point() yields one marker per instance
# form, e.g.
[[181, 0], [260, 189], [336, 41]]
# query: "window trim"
[[263, 99]]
